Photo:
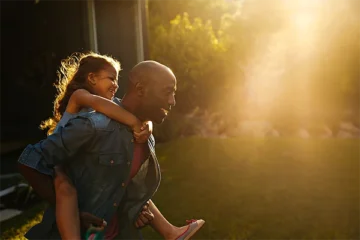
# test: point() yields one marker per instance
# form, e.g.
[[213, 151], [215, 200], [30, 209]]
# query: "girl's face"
[[105, 82]]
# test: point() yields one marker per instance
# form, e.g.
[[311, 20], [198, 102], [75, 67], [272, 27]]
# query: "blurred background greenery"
[[294, 64]]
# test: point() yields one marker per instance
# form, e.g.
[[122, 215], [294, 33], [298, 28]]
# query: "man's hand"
[[145, 217], [88, 220]]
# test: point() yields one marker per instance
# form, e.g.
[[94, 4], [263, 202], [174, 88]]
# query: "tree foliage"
[[197, 55], [218, 47]]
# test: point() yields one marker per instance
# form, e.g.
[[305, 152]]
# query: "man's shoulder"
[[98, 120]]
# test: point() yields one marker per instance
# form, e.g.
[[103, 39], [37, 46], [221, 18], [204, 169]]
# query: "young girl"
[[88, 81]]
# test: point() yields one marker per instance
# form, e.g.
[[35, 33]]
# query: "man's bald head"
[[149, 72], [152, 87]]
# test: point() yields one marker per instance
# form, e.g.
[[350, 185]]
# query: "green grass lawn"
[[258, 189]]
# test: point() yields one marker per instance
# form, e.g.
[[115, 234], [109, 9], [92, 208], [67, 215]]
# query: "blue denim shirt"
[[98, 154]]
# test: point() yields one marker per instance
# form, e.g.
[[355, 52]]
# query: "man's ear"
[[140, 89], [91, 78]]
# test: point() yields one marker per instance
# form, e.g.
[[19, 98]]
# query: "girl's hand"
[[137, 126], [144, 134]]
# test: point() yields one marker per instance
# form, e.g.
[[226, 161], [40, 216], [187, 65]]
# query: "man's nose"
[[172, 101]]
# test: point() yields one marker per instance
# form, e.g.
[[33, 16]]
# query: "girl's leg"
[[67, 212], [41, 183]]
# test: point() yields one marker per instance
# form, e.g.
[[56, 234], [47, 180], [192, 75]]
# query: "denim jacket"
[[98, 154]]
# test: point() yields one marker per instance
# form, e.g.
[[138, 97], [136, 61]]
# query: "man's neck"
[[131, 104]]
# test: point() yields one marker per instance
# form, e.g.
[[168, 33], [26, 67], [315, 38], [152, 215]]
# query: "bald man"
[[100, 155]]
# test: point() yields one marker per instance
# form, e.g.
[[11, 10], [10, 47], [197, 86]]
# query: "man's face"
[[160, 97]]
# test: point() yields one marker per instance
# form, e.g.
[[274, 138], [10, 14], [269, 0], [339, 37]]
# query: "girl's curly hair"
[[72, 76]]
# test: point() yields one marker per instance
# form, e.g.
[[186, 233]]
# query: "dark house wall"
[[34, 39], [116, 34]]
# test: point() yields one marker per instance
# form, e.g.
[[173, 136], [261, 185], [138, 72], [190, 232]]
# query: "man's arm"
[[61, 146], [44, 186], [55, 149]]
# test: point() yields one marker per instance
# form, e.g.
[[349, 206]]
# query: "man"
[[99, 153]]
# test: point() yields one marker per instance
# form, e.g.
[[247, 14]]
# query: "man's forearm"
[[41, 183], [62, 145]]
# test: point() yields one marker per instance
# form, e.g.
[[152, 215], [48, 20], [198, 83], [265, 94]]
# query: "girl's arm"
[[82, 98]]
